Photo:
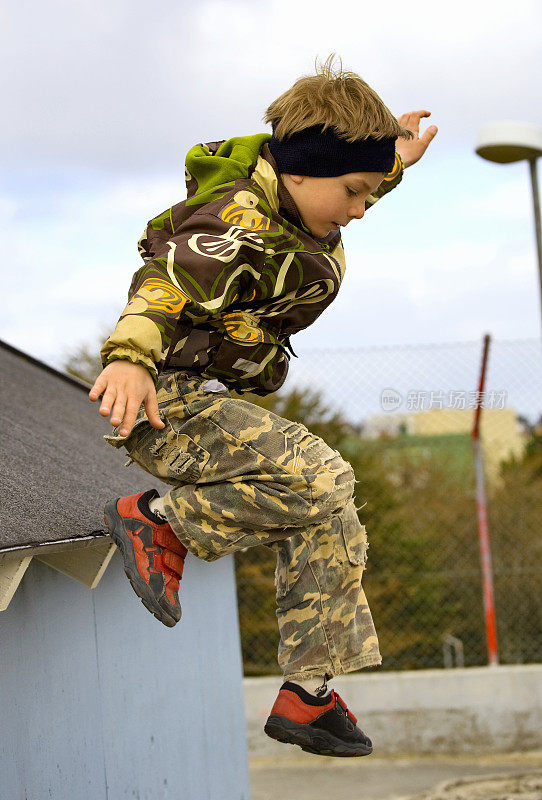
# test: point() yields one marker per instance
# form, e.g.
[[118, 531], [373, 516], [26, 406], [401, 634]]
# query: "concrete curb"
[[471, 710]]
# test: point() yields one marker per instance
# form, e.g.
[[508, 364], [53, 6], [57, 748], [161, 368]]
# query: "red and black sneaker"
[[153, 556], [320, 725]]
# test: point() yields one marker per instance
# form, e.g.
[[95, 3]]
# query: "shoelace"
[[344, 706]]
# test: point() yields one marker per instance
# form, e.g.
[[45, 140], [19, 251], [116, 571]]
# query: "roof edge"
[[20, 551], [81, 384]]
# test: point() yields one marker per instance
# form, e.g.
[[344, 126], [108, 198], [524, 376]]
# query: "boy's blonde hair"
[[333, 98]]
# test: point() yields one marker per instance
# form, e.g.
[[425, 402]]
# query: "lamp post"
[[507, 142]]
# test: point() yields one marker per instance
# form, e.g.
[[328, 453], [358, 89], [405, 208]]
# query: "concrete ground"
[[510, 776]]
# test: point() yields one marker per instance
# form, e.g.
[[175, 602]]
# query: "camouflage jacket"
[[230, 273]]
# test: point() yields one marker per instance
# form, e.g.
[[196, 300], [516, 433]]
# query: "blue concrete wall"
[[100, 701]]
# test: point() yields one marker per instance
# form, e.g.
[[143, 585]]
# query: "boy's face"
[[326, 204]]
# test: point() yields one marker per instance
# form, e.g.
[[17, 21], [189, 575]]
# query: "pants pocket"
[[168, 454], [292, 558], [311, 448], [354, 536]]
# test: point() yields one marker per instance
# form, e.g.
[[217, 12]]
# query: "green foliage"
[[254, 571], [418, 506], [416, 495], [515, 522], [84, 361], [423, 546], [83, 364]]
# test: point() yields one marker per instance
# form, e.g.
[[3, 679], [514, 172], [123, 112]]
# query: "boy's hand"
[[125, 386], [411, 150]]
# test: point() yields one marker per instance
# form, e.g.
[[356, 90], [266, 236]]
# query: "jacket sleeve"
[[391, 180], [194, 272]]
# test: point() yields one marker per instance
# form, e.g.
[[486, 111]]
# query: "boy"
[[250, 258]]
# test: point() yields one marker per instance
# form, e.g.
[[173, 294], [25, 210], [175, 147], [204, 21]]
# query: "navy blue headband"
[[322, 154]]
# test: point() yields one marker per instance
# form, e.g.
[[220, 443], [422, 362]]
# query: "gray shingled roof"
[[57, 472]]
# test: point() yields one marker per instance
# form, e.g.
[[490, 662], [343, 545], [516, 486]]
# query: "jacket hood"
[[216, 164]]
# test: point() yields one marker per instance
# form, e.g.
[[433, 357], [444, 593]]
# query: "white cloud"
[[8, 209], [122, 88], [70, 271], [101, 101], [447, 292], [512, 199]]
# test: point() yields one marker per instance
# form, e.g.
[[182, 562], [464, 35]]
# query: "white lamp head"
[[505, 142]]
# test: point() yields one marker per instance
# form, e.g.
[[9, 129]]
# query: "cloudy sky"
[[102, 98]]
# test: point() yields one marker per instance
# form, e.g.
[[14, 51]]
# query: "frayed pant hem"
[[354, 664], [308, 674], [369, 660]]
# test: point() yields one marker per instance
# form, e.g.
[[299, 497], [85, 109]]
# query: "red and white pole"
[[483, 528]]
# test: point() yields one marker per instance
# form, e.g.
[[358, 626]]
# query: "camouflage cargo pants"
[[243, 476]]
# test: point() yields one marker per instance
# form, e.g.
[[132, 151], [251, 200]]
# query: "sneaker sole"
[[115, 527], [312, 740]]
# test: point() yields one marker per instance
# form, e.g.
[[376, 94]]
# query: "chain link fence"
[[403, 417]]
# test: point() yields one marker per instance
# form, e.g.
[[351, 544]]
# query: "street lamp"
[[506, 142]]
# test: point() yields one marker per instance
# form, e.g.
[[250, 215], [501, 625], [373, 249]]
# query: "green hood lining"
[[234, 160]]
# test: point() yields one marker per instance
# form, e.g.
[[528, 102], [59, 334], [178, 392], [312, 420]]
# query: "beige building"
[[501, 433]]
